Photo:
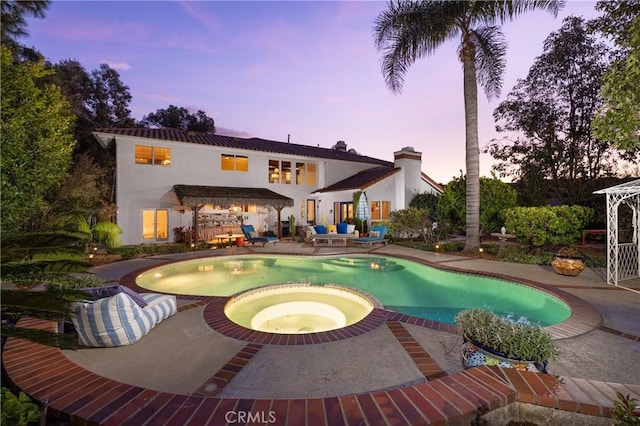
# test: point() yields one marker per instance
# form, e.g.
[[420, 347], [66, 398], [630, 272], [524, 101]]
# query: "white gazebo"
[[623, 258]]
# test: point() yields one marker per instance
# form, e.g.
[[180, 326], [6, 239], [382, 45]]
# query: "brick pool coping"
[[74, 393]]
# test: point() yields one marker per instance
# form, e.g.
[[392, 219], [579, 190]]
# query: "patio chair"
[[376, 236], [251, 236]]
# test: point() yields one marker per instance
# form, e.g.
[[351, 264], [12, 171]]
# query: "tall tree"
[[619, 119], [180, 118], [411, 30], [111, 99], [551, 110], [13, 23], [37, 140]]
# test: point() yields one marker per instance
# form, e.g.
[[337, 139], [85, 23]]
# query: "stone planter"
[[568, 266], [474, 355]]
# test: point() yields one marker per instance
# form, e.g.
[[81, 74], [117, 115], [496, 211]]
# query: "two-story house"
[[163, 174]]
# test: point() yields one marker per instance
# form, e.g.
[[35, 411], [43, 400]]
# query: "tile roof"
[[251, 144], [227, 196], [361, 180]]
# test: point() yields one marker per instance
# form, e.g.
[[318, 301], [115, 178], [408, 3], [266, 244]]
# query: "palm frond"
[[50, 305], [410, 30], [63, 341], [16, 269], [491, 49]]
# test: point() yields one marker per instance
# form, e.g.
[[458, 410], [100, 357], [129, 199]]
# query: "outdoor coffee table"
[[333, 240]]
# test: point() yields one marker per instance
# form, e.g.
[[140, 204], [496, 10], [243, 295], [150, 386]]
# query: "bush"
[[411, 223], [18, 410], [524, 255], [538, 226]]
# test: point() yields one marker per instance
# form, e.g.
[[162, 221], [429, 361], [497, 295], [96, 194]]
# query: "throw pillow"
[[253, 234], [96, 293], [311, 229], [320, 229], [342, 228], [374, 234]]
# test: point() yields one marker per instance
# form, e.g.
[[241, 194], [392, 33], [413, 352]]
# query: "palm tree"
[[410, 30]]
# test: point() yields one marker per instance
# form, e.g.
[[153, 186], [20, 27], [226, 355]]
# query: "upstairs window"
[[235, 163], [305, 174], [159, 156]]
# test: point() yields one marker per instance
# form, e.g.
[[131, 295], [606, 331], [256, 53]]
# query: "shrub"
[[411, 223], [543, 225], [18, 410], [516, 338]]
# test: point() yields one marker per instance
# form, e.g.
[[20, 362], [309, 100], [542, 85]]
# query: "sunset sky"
[[308, 69]]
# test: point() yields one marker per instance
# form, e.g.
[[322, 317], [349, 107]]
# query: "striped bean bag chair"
[[118, 320]]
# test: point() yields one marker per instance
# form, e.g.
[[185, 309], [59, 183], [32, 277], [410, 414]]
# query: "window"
[[305, 174], [158, 156], [285, 175], [237, 163], [274, 171], [279, 171], [144, 154], [380, 210], [155, 224]]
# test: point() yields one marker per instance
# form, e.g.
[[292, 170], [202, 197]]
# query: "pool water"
[[399, 284]]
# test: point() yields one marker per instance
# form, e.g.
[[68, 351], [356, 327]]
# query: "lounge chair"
[[379, 232], [251, 236], [117, 316]]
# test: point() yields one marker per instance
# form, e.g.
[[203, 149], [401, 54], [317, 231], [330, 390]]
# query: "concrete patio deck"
[[393, 369]]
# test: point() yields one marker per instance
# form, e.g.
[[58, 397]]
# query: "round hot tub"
[[299, 308]]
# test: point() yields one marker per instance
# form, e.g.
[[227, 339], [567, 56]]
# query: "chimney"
[[409, 161], [340, 146]]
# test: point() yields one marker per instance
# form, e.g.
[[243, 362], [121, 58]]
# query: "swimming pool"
[[400, 285]]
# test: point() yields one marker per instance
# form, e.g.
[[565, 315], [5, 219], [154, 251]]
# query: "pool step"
[[370, 263]]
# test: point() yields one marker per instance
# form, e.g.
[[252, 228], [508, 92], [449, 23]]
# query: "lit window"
[[286, 172], [237, 163], [274, 171], [152, 155], [375, 210], [311, 174], [301, 174], [242, 164], [380, 210], [162, 156], [305, 174], [144, 154]]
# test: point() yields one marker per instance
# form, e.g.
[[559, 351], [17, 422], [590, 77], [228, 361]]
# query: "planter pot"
[[474, 355], [567, 266]]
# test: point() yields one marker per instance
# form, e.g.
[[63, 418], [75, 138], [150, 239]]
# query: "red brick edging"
[[83, 397]]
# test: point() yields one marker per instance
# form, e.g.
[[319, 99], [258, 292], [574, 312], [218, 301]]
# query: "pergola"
[[623, 258], [196, 196]]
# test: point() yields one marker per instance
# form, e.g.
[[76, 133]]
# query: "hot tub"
[[299, 308]]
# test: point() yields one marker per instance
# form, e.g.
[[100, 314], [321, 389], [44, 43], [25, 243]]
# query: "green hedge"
[[538, 226]]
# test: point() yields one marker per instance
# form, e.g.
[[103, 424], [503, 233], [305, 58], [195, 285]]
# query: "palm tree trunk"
[[472, 154]]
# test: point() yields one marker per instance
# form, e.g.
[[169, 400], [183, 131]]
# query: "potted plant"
[[568, 261], [178, 233], [490, 339]]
